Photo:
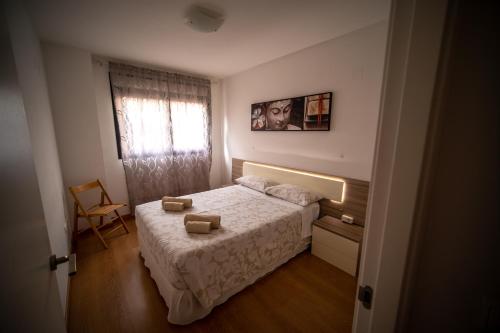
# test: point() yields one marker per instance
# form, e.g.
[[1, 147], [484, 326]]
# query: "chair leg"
[[98, 234], [122, 221]]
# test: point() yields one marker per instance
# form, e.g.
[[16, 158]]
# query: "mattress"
[[195, 272]]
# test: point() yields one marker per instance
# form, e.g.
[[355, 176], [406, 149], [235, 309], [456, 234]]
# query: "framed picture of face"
[[305, 113]]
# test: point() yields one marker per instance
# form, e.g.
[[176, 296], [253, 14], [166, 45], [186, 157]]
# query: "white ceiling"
[[153, 32]]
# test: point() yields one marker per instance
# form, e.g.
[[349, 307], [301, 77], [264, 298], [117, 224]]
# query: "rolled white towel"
[[188, 203], [173, 206], [198, 227], [213, 219]]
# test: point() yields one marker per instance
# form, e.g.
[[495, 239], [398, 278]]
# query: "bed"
[[196, 272]]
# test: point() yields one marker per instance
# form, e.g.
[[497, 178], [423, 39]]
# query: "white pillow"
[[294, 194], [255, 182]]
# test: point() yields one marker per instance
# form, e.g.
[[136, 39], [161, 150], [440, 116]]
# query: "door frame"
[[412, 57]]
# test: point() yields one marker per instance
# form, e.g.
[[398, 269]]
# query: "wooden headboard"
[[355, 192]]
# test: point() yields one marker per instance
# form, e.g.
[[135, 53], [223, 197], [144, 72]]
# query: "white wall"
[[351, 66], [30, 70], [71, 90]]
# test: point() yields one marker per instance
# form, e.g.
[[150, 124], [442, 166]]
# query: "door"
[[452, 274], [29, 299], [431, 251], [414, 44]]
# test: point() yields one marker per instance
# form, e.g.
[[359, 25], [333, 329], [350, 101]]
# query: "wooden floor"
[[113, 292]]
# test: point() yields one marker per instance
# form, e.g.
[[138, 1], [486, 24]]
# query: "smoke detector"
[[203, 19]]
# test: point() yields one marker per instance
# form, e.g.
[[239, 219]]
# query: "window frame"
[[115, 121]]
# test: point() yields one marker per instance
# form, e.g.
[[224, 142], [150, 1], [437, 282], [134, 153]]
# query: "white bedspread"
[[258, 233]]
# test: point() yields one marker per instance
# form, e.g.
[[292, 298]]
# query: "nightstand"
[[337, 243]]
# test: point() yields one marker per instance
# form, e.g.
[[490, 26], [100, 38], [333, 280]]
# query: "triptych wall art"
[[305, 113]]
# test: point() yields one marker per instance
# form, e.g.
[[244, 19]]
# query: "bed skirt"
[[183, 307]]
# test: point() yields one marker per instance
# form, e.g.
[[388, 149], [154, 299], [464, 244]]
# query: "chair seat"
[[104, 209]]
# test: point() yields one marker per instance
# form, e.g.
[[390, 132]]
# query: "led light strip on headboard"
[[331, 188]]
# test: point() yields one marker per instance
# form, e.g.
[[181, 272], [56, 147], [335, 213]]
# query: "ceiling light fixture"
[[203, 19]]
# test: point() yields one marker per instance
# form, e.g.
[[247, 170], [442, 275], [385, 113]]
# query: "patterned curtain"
[[164, 121]]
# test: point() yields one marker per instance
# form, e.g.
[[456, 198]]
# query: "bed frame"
[[342, 195]]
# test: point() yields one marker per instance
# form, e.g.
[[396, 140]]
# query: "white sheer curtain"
[[164, 122]]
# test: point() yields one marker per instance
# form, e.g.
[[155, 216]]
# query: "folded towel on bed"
[[198, 227], [213, 219], [173, 206], [188, 203]]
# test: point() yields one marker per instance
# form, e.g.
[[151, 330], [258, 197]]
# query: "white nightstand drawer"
[[336, 242], [335, 249]]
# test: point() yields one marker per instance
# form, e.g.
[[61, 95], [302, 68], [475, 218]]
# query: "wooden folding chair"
[[100, 210]]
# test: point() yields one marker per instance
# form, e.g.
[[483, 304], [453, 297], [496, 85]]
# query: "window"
[[148, 126], [188, 126], [147, 122]]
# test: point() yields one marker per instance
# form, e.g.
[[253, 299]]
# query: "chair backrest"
[[85, 187], [74, 190]]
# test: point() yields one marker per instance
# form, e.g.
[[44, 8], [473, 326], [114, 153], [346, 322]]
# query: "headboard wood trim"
[[355, 197]]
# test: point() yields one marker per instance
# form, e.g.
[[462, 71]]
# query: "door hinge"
[[365, 295]]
